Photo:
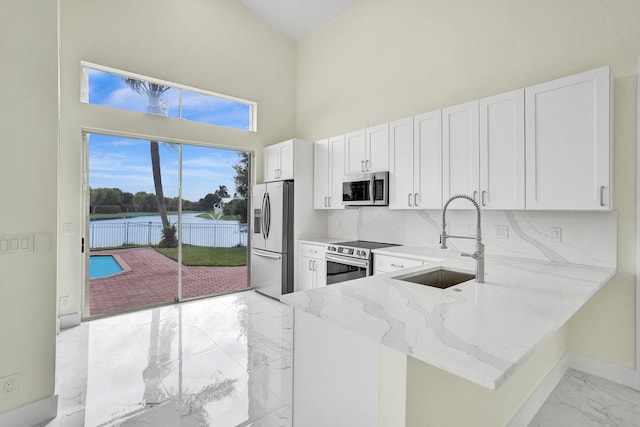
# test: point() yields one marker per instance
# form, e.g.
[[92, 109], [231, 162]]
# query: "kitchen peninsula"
[[481, 333]]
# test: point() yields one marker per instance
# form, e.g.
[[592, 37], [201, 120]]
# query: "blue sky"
[[125, 163], [109, 90]]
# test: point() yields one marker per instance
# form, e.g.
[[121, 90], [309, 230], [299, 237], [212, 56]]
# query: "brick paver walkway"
[[153, 279]]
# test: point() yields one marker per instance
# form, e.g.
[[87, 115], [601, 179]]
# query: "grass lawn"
[[209, 257]]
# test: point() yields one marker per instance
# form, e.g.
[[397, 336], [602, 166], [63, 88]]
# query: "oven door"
[[340, 269]]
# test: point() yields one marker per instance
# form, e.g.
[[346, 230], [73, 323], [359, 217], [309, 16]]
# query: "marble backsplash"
[[568, 237]]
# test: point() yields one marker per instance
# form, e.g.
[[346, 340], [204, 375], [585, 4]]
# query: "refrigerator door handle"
[[266, 256], [262, 218], [267, 215]]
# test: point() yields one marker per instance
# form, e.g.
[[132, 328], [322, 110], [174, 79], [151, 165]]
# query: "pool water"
[[102, 266]]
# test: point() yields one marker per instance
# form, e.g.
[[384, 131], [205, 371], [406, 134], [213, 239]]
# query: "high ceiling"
[[297, 18]]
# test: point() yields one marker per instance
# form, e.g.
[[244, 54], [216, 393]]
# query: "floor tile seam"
[[186, 357]]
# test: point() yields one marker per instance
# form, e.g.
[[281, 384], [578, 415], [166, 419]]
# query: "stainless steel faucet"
[[478, 255]]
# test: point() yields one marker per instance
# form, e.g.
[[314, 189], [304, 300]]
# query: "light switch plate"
[[555, 234]]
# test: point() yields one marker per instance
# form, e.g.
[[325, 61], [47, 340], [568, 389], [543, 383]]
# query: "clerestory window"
[[127, 91]]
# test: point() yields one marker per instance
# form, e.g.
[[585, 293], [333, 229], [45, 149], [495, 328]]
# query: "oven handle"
[[347, 261]]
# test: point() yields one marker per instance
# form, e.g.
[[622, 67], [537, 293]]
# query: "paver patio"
[[153, 279]]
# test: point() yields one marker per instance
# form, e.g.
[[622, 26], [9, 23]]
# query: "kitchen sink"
[[441, 278]]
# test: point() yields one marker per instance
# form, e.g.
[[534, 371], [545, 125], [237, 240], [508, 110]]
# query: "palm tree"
[[156, 104]]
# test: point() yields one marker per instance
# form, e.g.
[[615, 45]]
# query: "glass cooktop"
[[365, 245]]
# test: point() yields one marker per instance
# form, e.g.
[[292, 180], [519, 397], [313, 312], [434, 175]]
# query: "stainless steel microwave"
[[370, 189]]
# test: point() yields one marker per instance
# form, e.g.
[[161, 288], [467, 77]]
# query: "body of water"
[[147, 230]]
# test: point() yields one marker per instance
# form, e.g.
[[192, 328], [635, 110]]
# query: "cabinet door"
[[568, 143], [336, 171], [354, 152], [460, 153], [377, 148], [287, 153], [427, 170], [306, 275], [502, 151], [401, 164], [320, 266], [321, 174], [271, 162]]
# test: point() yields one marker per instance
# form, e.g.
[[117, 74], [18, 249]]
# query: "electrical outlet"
[[501, 231], [64, 302], [555, 234], [9, 385]]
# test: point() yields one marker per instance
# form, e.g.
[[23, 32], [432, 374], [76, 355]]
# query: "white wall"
[[215, 45], [28, 122], [384, 60]]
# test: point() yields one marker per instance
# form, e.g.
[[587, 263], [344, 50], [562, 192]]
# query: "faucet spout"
[[478, 255]]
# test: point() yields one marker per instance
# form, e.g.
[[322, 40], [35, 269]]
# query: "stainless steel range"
[[351, 260]]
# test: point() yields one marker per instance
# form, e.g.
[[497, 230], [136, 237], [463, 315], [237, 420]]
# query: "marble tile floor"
[[582, 400], [222, 361]]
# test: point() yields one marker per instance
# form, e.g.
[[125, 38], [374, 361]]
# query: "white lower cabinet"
[[387, 263], [336, 375], [312, 266]]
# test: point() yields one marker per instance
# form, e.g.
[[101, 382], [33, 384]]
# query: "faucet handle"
[[443, 240], [473, 255]]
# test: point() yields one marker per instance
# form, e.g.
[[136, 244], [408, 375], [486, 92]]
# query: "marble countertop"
[[481, 332]]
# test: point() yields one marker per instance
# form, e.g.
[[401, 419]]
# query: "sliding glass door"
[[167, 222]]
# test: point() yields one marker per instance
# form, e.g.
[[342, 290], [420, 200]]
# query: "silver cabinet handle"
[[397, 265], [315, 265], [310, 264], [602, 195], [484, 193], [415, 199], [475, 195], [362, 165], [366, 162], [409, 201], [329, 198], [325, 201]]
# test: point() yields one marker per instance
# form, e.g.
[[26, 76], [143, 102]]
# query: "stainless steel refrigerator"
[[272, 238]]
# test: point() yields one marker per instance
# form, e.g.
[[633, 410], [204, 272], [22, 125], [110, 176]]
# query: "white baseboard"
[[599, 368], [607, 370], [533, 404], [32, 414]]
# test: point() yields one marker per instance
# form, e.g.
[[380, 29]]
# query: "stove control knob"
[[332, 248]]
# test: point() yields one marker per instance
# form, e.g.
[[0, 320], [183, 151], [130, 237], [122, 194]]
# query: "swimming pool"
[[102, 266]]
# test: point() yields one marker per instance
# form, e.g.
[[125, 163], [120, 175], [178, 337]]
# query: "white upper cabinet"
[[427, 142], [460, 153], [279, 161], [502, 184], [367, 150], [415, 162], [377, 147], [328, 172], [321, 174], [569, 143]]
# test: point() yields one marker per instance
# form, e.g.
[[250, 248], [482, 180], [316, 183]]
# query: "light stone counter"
[[481, 332]]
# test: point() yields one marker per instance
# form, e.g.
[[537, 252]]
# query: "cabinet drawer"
[[385, 263], [311, 250]]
